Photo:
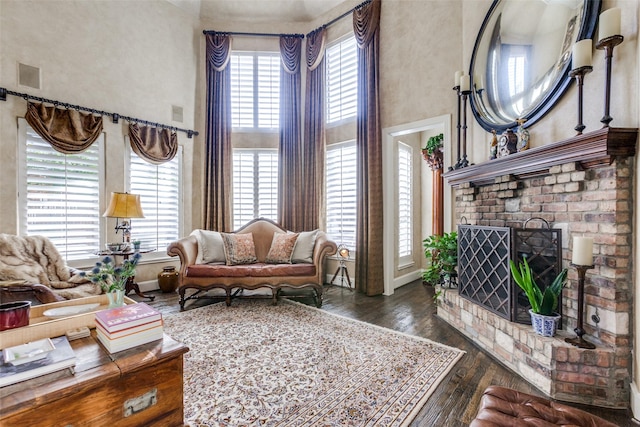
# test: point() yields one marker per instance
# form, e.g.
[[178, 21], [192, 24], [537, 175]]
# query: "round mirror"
[[522, 58]]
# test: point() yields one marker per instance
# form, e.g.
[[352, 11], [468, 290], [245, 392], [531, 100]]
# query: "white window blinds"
[[60, 194], [255, 185], [405, 201], [341, 193], [159, 188], [255, 90], [342, 80]]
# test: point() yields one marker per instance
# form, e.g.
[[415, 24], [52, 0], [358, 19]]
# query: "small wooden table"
[[131, 284], [135, 387]]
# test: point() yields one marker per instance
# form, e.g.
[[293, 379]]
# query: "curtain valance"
[[366, 21], [290, 53], [315, 48], [218, 50], [154, 145], [68, 131]]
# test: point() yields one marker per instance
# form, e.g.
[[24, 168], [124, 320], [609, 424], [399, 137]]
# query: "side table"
[[131, 284]]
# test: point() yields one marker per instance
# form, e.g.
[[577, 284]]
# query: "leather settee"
[[211, 260], [501, 406]]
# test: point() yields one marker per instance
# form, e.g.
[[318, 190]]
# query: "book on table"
[[114, 345], [127, 316], [61, 357]]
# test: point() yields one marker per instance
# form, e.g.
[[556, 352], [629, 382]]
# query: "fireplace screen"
[[484, 276]]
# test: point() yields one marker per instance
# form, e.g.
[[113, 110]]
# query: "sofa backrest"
[[263, 230]]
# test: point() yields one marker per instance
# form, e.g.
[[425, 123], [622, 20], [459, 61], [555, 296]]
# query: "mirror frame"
[[591, 11]]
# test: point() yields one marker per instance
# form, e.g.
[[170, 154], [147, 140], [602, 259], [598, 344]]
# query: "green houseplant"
[[442, 251], [433, 143], [543, 303]]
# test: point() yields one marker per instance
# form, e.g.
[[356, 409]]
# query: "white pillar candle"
[[456, 79], [479, 82], [609, 23], [581, 54], [465, 83], [582, 251]]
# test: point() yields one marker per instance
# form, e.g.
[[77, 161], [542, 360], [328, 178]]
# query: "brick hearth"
[[582, 200]]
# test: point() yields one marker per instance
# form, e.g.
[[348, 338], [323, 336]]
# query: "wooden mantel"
[[591, 149]]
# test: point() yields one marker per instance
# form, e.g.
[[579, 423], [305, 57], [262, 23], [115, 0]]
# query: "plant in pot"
[[544, 317], [442, 253], [432, 152]]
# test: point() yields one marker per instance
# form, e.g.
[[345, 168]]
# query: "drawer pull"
[[137, 404]]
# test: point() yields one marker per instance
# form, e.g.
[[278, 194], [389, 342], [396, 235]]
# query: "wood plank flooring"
[[411, 310]]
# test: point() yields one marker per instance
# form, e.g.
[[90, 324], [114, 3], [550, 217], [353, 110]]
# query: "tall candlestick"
[[581, 54], [582, 251], [609, 23], [465, 83]]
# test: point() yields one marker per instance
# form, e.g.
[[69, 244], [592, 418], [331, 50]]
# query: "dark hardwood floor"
[[411, 310]]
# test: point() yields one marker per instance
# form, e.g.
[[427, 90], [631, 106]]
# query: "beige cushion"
[[239, 248], [281, 248], [210, 247], [303, 249]]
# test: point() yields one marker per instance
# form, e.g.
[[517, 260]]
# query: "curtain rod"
[[239, 33], [114, 116], [348, 12]]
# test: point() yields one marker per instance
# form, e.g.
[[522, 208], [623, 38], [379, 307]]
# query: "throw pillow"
[[281, 248], [239, 248], [210, 247], [303, 250]]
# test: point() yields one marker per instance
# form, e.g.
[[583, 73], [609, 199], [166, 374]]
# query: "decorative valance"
[[366, 21], [68, 131], [152, 144], [315, 48], [290, 52], [218, 50]]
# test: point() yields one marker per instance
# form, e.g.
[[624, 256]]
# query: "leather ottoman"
[[502, 406]]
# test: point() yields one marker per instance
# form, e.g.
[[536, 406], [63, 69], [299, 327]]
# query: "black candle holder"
[[607, 44], [578, 74], [463, 161], [457, 165], [579, 330]]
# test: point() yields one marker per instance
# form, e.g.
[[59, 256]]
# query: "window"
[[255, 90], [159, 189], [405, 201], [341, 193], [342, 80], [60, 194], [255, 185]]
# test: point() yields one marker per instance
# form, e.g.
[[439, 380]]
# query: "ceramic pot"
[[14, 314], [544, 325], [168, 279]]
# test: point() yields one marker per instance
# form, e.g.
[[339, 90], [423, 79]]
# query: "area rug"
[[255, 364]]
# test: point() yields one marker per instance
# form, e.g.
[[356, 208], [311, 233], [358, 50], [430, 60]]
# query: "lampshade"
[[124, 205], [343, 252]]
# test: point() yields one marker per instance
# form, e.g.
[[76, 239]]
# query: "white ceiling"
[[258, 10]]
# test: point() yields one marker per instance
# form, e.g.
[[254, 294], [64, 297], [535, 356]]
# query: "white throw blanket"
[[35, 259]]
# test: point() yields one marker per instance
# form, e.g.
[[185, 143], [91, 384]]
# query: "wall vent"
[[28, 76], [176, 113]]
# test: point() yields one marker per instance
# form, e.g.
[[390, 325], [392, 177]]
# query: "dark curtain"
[[152, 144], [290, 154], [68, 131], [218, 152], [314, 134], [369, 236]]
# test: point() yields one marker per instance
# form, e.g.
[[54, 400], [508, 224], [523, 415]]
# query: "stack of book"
[[128, 326]]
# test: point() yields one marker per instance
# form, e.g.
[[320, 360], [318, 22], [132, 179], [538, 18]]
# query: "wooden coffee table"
[[135, 387]]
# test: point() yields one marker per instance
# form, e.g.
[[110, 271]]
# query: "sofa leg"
[[182, 300], [228, 299], [274, 296]]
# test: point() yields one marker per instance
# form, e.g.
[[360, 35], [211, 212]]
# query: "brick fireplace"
[[582, 186]]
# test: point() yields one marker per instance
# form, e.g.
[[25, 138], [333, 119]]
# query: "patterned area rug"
[[255, 364]]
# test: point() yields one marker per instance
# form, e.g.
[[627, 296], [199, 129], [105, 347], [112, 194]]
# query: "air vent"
[[28, 76], [176, 113]]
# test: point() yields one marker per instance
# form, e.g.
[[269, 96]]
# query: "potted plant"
[[544, 318], [432, 152], [113, 278], [442, 251]]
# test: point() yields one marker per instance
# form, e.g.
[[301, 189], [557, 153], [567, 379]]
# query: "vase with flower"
[[113, 278]]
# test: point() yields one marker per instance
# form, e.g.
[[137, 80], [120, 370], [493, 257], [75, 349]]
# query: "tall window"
[[341, 193], [255, 185], [60, 194], [255, 90], [405, 201], [159, 190], [342, 80]]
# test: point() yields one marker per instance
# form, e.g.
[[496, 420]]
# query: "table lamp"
[[124, 206]]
